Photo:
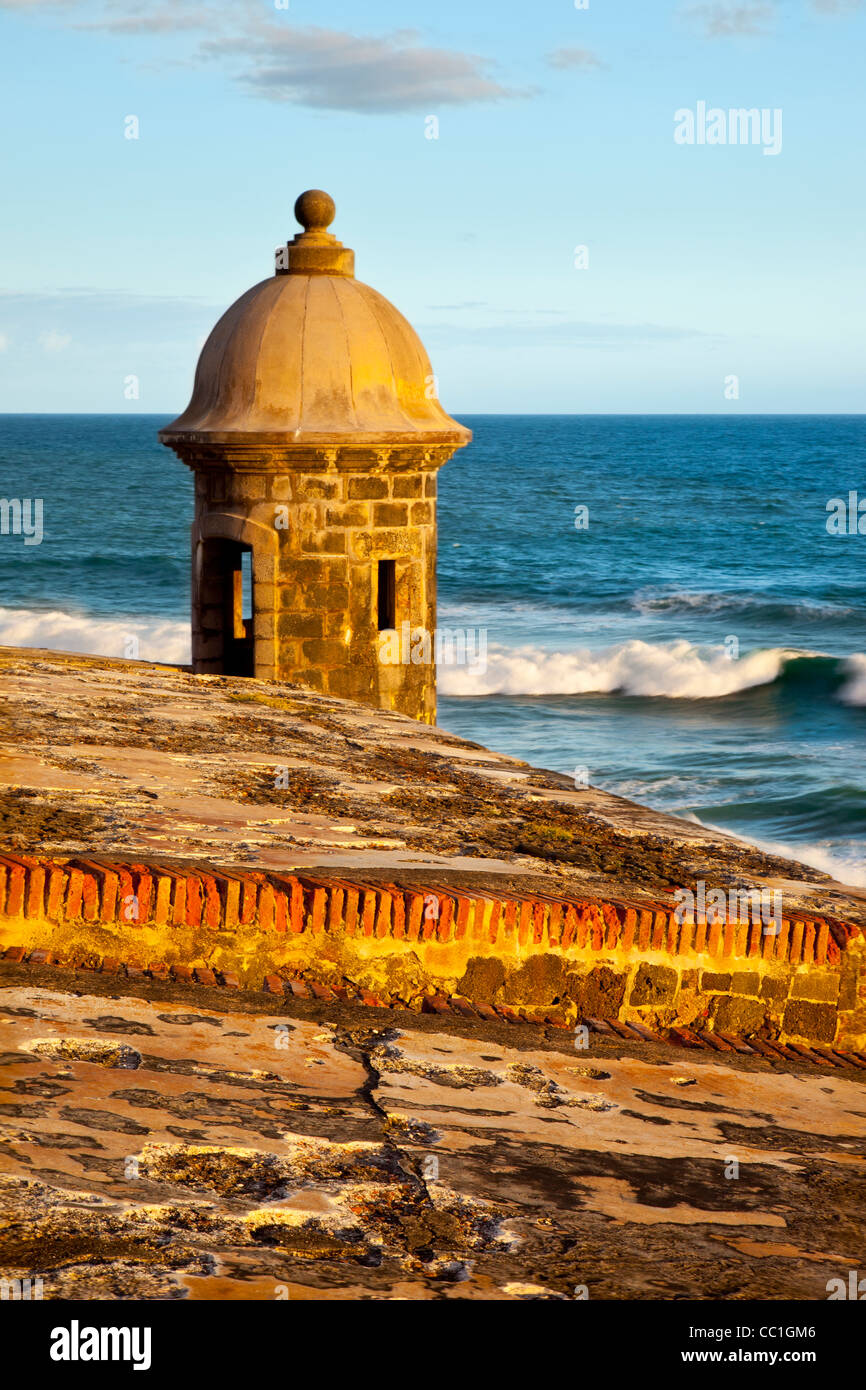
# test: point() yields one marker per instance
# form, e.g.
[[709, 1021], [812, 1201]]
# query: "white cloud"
[[53, 341], [725, 19], [339, 71], [4, 342], [581, 58]]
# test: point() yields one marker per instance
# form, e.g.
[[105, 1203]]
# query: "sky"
[[471, 149]]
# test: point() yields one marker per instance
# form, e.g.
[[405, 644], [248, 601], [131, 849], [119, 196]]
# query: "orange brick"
[[687, 931], [728, 939], [162, 909], [336, 896], [74, 887], [211, 907], [645, 930], [281, 910], [398, 910], [809, 943], [495, 922], [368, 917], [701, 936], [108, 898], [660, 925], [430, 920], [539, 921], [36, 892], [629, 930], [383, 918], [714, 939], [613, 925], [194, 902], [144, 892], [296, 915], [570, 927], [596, 928], [756, 938], [232, 907], [89, 898], [672, 934], [509, 921], [821, 944], [584, 923], [125, 891], [319, 910], [267, 904], [464, 913], [416, 916], [56, 885], [446, 919]]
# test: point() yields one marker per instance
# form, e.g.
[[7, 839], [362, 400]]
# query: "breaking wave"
[[669, 670], [676, 670], [159, 639]]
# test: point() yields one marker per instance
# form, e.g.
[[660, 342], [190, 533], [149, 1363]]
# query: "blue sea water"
[[698, 645]]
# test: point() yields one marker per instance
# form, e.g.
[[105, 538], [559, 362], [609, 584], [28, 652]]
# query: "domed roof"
[[313, 357]]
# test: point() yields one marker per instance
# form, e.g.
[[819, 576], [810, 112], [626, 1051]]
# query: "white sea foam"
[[845, 862], [159, 639], [853, 692], [677, 670]]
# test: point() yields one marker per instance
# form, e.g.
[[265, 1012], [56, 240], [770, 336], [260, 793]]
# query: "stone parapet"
[[558, 959]]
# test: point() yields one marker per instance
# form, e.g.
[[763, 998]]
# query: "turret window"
[[387, 595]]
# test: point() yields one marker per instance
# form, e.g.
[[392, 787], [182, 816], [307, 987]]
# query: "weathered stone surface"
[[773, 989], [541, 981], [654, 984], [260, 1155], [737, 1015], [598, 994], [810, 985], [712, 980], [482, 979], [807, 1020]]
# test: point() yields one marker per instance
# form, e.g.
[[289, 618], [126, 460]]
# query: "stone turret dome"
[[311, 356]]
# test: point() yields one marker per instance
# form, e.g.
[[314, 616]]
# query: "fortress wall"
[[503, 954]]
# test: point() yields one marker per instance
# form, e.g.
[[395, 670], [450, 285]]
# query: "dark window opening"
[[226, 606], [387, 595]]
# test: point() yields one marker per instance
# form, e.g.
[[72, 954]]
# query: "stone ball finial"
[[315, 210]]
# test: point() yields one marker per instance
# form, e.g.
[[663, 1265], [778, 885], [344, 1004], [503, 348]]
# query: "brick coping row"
[[303, 987], [138, 895]]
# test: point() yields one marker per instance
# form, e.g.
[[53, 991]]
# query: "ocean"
[[666, 613]]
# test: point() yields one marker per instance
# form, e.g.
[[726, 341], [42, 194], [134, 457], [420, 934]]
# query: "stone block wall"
[[318, 530]]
